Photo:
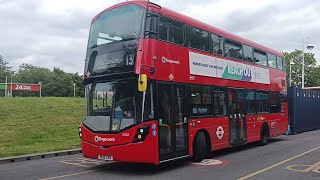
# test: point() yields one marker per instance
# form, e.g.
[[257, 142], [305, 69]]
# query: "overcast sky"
[[51, 33]]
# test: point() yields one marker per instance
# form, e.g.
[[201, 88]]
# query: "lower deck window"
[[262, 99], [200, 100], [219, 101]]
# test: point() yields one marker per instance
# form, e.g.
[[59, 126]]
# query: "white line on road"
[[67, 175], [278, 164]]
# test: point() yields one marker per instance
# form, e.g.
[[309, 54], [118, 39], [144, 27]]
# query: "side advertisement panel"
[[220, 68]]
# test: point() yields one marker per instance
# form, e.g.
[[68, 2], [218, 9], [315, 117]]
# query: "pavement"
[[39, 156], [286, 157]]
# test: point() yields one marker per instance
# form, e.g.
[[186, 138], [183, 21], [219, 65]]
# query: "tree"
[[296, 73], [5, 70], [54, 83], [60, 84], [34, 75], [314, 77], [77, 79]]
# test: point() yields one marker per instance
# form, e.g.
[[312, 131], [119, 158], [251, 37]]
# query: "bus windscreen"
[[119, 24], [113, 106]]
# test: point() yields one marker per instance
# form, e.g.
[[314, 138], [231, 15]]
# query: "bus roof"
[[196, 23]]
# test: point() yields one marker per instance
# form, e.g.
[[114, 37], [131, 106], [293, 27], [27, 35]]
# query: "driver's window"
[[102, 99], [124, 103]]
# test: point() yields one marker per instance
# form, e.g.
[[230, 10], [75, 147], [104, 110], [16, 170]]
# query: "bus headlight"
[[80, 133], [141, 133]]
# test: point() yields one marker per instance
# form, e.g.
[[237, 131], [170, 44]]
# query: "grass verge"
[[34, 125]]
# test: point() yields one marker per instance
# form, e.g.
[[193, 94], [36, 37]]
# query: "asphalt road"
[[286, 157]]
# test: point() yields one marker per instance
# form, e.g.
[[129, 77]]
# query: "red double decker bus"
[[162, 86]]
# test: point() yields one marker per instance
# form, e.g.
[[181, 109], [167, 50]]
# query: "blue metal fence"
[[304, 110]]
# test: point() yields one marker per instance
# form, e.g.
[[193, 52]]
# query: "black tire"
[[264, 136], [199, 147]]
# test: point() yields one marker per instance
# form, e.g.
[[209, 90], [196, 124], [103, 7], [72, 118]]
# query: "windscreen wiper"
[[129, 38], [94, 46]]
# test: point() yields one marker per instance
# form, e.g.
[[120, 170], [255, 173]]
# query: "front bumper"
[[146, 151]]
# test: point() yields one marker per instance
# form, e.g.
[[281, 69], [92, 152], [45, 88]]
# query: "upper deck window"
[[119, 24], [248, 53], [233, 49], [197, 38], [170, 31], [217, 44], [260, 57], [280, 63], [272, 60]]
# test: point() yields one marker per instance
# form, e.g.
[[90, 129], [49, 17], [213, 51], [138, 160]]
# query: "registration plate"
[[103, 157]]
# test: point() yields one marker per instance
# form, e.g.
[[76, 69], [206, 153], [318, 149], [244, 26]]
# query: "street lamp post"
[[309, 47], [11, 87], [291, 63], [6, 88], [40, 83], [74, 90]]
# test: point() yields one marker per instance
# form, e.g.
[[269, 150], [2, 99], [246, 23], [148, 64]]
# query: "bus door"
[[173, 123], [237, 116]]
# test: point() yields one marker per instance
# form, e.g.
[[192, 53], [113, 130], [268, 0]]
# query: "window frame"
[[211, 44], [233, 41], [283, 66], [255, 49], [224, 90], [182, 28], [255, 101], [185, 40], [185, 26], [252, 52], [270, 54], [154, 17], [258, 90], [279, 102], [190, 114]]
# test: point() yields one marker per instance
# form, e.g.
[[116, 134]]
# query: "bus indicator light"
[[194, 124]]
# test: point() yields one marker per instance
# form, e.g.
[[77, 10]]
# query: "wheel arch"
[[265, 125], [208, 140]]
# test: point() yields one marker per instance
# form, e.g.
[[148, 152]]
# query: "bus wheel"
[[199, 147], [264, 135]]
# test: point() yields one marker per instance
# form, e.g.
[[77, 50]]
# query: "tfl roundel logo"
[[220, 132]]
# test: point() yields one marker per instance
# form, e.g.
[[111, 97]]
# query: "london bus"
[[161, 86]]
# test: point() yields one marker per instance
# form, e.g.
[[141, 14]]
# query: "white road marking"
[[278, 164]]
